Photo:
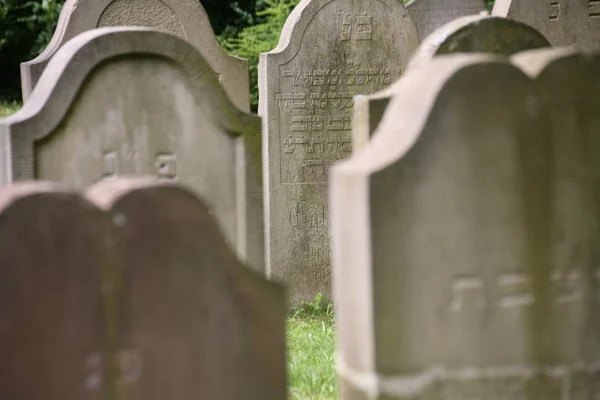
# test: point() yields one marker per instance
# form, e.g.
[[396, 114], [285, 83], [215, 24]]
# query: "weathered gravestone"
[[119, 101], [329, 51], [471, 34], [563, 22], [429, 15], [130, 293], [465, 235], [184, 18]]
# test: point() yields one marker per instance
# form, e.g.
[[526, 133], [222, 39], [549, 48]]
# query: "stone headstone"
[[563, 22], [184, 18], [50, 294], [329, 51], [471, 34], [465, 235], [119, 101], [429, 15], [134, 293]]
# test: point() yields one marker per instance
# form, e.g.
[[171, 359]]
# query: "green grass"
[[8, 107], [310, 341]]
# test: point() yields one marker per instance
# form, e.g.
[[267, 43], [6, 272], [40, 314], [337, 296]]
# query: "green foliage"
[[9, 107], [25, 28], [321, 307], [311, 349], [42, 15], [259, 38]]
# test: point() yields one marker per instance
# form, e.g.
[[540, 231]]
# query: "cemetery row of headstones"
[[470, 212], [278, 221]]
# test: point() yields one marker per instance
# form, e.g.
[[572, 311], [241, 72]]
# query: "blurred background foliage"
[[245, 28]]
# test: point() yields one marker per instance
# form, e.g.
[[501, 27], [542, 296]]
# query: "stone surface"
[[118, 101], [50, 294], [429, 15], [134, 292], [563, 22], [465, 235], [329, 51], [471, 34], [184, 18]]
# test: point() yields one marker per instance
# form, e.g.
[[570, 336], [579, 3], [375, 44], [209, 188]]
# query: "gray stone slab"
[[429, 15], [563, 22], [117, 101], [192, 321], [134, 293], [471, 34], [329, 51], [465, 235], [50, 294], [184, 18]]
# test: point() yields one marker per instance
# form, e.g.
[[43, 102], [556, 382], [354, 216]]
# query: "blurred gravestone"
[[465, 235], [138, 101], [429, 15], [563, 22], [135, 294], [329, 51], [50, 294], [184, 18], [471, 34]]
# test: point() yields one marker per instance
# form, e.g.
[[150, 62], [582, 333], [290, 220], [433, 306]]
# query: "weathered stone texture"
[[471, 34], [465, 234], [429, 15], [134, 293], [563, 22], [184, 18], [120, 101], [329, 51]]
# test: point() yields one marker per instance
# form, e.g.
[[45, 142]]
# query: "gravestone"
[[471, 34], [50, 293], [429, 15], [184, 18], [465, 235], [329, 51], [135, 294], [119, 101], [563, 22]]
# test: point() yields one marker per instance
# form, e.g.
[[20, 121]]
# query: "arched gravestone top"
[[470, 34], [479, 34], [184, 18], [119, 101], [563, 22], [133, 291], [329, 50], [429, 15], [465, 234]]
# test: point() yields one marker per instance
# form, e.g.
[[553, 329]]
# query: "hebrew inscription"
[[514, 289], [339, 48], [130, 364], [318, 111], [554, 10], [165, 165], [594, 8], [357, 27]]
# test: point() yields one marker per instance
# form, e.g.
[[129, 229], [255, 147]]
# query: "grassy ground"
[[310, 339], [310, 342], [7, 108]]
